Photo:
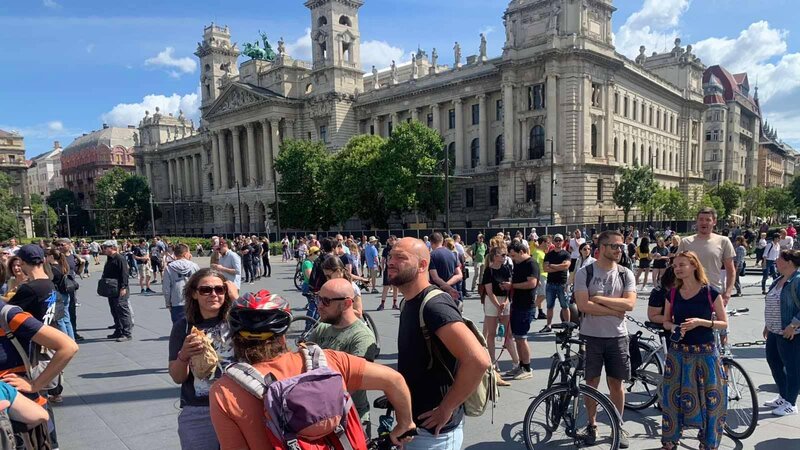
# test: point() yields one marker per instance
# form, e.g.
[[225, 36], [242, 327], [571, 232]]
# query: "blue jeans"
[[783, 357], [769, 271], [445, 441], [64, 324], [553, 291], [177, 313]]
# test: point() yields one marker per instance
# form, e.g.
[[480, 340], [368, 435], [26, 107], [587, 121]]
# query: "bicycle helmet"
[[259, 316]]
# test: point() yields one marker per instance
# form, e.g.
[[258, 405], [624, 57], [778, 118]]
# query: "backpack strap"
[[250, 379], [313, 356], [4, 312], [589, 274], [425, 332]]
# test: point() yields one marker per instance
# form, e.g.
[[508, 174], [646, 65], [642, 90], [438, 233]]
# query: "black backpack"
[[317, 277]]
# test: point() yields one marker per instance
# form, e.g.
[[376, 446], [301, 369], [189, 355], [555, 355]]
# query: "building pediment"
[[242, 96]]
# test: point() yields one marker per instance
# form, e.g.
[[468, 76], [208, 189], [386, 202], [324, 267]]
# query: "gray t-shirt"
[[608, 283]]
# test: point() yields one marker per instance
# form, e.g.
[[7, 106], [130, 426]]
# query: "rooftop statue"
[[255, 52]]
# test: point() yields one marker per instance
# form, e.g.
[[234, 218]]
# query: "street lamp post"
[[46, 218], [447, 177], [152, 215]]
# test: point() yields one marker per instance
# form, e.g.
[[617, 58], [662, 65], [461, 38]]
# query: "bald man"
[[340, 329], [436, 399]]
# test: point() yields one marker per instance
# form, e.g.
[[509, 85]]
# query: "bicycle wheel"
[[540, 433], [299, 330], [371, 325], [642, 389], [298, 279], [559, 373], [742, 401]]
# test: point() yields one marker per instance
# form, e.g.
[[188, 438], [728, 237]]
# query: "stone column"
[[252, 165], [149, 173], [483, 131], [275, 135], [223, 161], [268, 153], [237, 157], [394, 119], [180, 189], [457, 105], [169, 179], [197, 168], [289, 129], [436, 117], [376, 125], [414, 114], [215, 161], [551, 121], [508, 122], [173, 186]]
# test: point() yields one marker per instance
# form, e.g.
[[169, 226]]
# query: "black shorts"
[[660, 264], [613, 353], [644, 263], [156, 263], [572, 265]]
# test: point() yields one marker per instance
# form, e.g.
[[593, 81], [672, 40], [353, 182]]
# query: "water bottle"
[[501, 332]]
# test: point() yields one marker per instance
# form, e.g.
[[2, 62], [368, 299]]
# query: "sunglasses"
[[616, 246], [326, 301], [207, 290]]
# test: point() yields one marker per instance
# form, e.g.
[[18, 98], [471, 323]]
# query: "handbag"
[[108, 287]]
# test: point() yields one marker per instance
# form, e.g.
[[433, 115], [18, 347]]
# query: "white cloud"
[[48, 130], [381, 54], [178, 66], [487, 30], [90, 48], [51, 4], [301, 48], [55, 126], [654, 26], [125, 114]]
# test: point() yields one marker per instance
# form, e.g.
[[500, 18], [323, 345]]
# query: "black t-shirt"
[[631, 250], [523, 298], [265, 249], [34, 297], [385, 254], [658, 298], [497, 276], [555, 257], [428, 387]]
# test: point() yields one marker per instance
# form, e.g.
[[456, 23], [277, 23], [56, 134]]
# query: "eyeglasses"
[[615, 246], [326, 301], [207, 290]]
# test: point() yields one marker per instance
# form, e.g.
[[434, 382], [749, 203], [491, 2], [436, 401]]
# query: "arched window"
[[625, 151], [536, 144], [499, 150], [594, 140], [322, 21], [663, 160], [475, 153], [616, 150], [344, 20]]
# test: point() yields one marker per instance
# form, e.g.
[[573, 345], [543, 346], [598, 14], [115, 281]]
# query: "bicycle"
[[298, 276], [559, 408], [385, 426]]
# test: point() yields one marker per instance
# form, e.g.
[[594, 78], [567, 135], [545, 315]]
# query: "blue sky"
[[70, 65]]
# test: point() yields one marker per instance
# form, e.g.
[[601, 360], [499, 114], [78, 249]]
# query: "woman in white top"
[[574, 253], [585, 257], [760, 245]]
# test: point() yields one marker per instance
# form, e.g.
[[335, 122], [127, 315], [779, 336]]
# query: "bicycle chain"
[[749, 344]]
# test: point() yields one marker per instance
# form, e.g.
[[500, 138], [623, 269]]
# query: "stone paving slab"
[[119, 395]]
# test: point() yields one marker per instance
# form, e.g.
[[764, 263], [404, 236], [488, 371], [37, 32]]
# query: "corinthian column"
[[267, 151], [237, 157], [223, 161], [508, 122], [252, 165], [457, 105], [483, 131], [215, 161]]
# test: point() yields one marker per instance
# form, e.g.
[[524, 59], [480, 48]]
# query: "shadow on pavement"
[[158, 339], [777, 443], [512, 439], [131, 396], [124, 373]]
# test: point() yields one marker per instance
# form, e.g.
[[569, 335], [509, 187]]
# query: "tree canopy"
[[635, 188]]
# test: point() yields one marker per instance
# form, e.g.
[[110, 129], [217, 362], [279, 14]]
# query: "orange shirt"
[[238, 417]]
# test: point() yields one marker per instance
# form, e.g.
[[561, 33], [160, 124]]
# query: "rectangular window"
[[530, 192], [430, 120], [372, 130], [476, 114], [451, 119], [390, 128], [616, 103], [635, 109], [469, 198], [499, 110], [536, 97], [643, 113], [493, 196], [708, 135], [625, 107], [599, 191]]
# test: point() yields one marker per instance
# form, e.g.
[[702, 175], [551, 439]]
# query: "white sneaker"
[[776, 402], [785, 410]]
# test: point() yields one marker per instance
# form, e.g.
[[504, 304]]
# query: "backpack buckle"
[[292, 444]]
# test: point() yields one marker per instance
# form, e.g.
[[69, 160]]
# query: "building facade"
[[13, 164], [732, 131], [90, 156], [559, 92], [44, 171]]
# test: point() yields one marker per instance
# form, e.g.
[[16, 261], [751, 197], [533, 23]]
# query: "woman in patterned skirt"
[[694, 392]]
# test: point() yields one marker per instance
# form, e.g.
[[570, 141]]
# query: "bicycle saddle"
[[569, 326], [653, 325], [381, 403]]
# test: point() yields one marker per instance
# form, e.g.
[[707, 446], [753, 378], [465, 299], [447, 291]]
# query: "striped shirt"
[[24, 326], [772, 310]]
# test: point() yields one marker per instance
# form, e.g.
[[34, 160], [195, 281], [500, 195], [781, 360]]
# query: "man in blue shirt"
[[229, 264], [371, 256]]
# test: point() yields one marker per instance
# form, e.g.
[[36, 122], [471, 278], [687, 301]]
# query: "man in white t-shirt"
[[787, 242], [574, 252], [714, 252]]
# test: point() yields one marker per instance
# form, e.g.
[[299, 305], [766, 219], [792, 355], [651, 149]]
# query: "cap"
[[372, 238], [314, 249], [110, 243], [558, 236], [31, 254]]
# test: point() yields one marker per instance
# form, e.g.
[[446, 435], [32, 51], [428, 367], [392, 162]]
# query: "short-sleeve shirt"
[[574, 245], [371, 253], [699, 306], [523, 298], [308, 265], [428, 387], [556, 257], [712, 252], [35, 296], [7, 392], [194, 392], [538, 256], [658, 298], [25, 327], [445, 262], [608, 283], [238, 416], [497, 276]]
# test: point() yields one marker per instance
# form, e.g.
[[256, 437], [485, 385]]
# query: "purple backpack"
[[309, 411]]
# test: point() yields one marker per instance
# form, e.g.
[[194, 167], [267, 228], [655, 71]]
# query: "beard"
[[332, 319], [404, 276]]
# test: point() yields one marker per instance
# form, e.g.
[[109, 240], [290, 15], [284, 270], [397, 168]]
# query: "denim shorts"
[[556, 291], [521, 321]]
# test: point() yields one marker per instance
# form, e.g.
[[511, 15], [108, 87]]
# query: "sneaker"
[[111, 327], [546, 329], [380, 307], [77, 304], [150, 291], [395, 306], [523, 375], [78, 337], [466, 295], [375, 291], [785, 410], [114, 336], [155, 282], [589, 435], [55, 398], [143, 291], [774, 403], [623, 439], [124, 338], [513, 372], [541, 315]]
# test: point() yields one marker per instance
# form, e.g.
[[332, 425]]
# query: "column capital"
[[249, 125], [481, 96], [235, 130], [457, 101], [435, 106], [289, 122]]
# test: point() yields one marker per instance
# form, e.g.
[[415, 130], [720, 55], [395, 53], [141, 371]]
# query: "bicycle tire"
[[557, 367], [728, 364], [374, 328], [561, 391], [657, 370], [298, 278], [299, 330]]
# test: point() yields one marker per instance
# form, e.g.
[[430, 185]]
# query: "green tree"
[[356, 182], [9, 223], [303, 167], [676, 205], [40, 224], [754, 203], [655, 202], [133, 199], [106, 188], [795, 188], [781, 201], [707, 200], [79, 219], [731, 196], [635, 187]]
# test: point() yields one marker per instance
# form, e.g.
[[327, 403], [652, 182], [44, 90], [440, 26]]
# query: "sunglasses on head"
[[326, 301], [207, 290]]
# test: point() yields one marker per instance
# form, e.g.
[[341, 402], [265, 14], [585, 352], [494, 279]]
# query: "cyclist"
[[604, 298], [258, 326], [306, 268], [340, 328]]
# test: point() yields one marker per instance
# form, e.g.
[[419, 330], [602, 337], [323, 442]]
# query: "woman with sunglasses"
[[782, 321], [693, 373], [16, 277], [497, 305], [207, 297], [334, 268]]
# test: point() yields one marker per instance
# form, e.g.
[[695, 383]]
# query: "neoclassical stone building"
[[559, 84]]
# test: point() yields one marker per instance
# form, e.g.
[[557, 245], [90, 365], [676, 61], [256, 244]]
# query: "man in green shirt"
[[542, 247], [478, 254], [340, 329]]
